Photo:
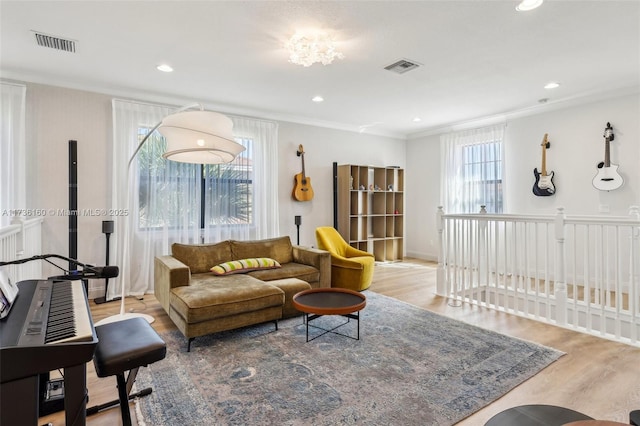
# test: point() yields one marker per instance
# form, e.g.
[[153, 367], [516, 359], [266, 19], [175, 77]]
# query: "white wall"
[[577, 146], [422, 181]]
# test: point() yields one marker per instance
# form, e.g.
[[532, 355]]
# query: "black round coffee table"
[[317, 302], [536, 415]]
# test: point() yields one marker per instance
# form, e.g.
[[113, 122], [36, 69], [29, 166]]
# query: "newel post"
[[560, 287], [634, 268], [440, 280]]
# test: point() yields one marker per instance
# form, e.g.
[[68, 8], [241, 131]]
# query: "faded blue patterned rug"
[[410, 367]]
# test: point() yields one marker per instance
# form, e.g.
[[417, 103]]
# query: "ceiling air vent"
[[402, 66], [54, 42]]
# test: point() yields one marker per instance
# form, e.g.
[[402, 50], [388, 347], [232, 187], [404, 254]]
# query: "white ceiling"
[[480, 58]]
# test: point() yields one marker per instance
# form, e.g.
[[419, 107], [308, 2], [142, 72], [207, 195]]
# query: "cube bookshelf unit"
[[370, 209]]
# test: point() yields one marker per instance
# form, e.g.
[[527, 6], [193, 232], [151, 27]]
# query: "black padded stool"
[[126, 346], [634, 418]]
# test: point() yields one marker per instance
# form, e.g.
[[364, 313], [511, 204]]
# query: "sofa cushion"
[[288, 270], [243, 266], [205, 298], [279, 248], [200, 257], [290, 286]]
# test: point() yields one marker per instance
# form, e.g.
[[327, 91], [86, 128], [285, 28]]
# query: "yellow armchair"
[[350, 268]]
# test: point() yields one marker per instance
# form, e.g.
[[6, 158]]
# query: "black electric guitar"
[[302, 190], [544, 185], [607, 178]]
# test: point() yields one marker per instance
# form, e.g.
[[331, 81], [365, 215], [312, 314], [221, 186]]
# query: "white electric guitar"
[[544, 182], [607, 178]]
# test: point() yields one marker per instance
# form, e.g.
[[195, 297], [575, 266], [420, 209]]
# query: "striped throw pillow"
[[245, 265]]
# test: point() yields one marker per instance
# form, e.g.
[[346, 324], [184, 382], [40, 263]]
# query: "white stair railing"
[[22, 239], [580, 272]]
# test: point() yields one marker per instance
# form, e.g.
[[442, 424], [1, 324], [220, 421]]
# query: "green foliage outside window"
[[176, 194]]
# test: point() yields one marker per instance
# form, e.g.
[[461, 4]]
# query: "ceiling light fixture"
[[317, 99], [308, 48], [417, 119], [164, 68], [552, 85], [527, 5]]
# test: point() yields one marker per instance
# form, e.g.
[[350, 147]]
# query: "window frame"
[[243, 161], [492, 188]]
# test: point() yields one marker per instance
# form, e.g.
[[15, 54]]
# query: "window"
[[472, 170], [482, 175], [176, 195], [228, 190]]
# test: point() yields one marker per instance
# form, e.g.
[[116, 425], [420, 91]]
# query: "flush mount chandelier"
[[526, 5], [307, 48]]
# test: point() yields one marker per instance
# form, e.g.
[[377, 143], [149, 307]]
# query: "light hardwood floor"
[[596, 376]]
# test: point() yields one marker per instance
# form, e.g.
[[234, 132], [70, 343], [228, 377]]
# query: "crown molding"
[[551, 105], [568, 102]]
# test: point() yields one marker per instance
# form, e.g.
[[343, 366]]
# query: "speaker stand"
[[107, 230]]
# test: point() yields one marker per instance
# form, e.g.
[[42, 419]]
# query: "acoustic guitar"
[[544, 185], [607, 178], [302, 190]]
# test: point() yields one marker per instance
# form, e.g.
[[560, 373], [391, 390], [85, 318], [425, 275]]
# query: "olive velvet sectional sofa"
[[252, 282]]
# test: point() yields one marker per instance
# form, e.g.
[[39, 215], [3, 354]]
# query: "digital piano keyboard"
[[49, 327]]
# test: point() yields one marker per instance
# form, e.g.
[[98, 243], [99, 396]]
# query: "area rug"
[[410, 367]]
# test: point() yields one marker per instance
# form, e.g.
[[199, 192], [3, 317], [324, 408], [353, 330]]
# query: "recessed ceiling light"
[[552, 85], [164, 68], [526, 5], [417, 119], [317, 99]]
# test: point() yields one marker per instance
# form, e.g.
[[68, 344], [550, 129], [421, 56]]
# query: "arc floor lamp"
[[192, 136]]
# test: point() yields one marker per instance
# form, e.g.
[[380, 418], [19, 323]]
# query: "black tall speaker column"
[[73, 208], [107, 230], [73, 202]]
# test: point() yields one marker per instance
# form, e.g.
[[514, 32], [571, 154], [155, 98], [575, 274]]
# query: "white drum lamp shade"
[[202, 137]]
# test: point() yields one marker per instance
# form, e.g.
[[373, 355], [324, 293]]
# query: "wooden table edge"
[[329, 311]]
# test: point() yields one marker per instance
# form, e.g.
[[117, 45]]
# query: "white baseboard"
[[423, 256]]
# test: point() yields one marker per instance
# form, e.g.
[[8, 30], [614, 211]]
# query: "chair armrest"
[[354, 252], [320, 259], [346, 263], [169, 273]]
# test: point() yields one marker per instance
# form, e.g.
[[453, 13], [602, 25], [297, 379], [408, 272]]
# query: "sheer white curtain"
[[472, 170], [12, 150], [163, 197], [264, 158], [128, 118]]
